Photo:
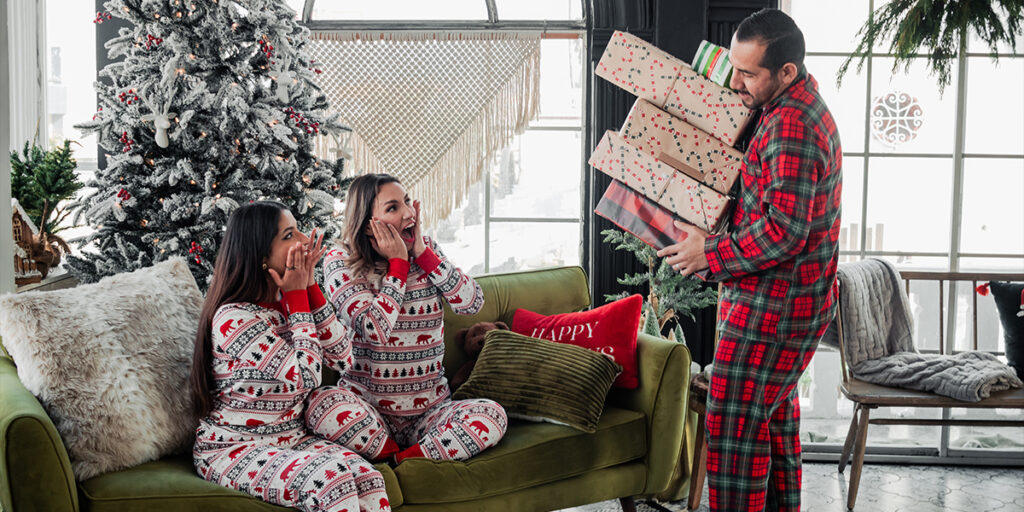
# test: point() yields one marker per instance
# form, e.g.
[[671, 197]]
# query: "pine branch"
[[938, 29]]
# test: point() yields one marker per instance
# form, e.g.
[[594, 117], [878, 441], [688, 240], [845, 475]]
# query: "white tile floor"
[[889, 488]]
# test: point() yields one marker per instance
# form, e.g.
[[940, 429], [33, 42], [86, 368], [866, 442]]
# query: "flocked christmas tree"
[[213, 104]]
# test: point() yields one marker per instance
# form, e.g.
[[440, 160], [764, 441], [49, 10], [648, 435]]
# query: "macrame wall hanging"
[[429, 108]]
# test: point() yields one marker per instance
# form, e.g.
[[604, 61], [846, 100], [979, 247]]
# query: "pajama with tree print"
[[257, 439], [398, 348]]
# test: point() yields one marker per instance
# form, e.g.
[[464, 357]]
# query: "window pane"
[[401, 10], [980, 439], [822, 36], [847, 103], [975, 44], [907, 113], [526, 245], [71, 70], [461, 235], [989, 336], [561, 80], [539, 10], [993, 212], [539, 177], [1010, 265], [296, 5], [853, 196], [909, 204], [995, 106]]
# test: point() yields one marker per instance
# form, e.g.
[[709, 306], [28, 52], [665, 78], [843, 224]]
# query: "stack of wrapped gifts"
[[674, 158]]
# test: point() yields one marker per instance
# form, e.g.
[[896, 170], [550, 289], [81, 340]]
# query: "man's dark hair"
[[782, 39]]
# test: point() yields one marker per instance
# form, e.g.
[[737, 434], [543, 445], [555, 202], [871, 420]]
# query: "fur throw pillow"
[[110, 363]]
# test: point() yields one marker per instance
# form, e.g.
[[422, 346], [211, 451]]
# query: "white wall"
[[6, 239]]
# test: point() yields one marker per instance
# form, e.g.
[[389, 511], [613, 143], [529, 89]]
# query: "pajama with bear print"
[[398, 348], [261, 438]]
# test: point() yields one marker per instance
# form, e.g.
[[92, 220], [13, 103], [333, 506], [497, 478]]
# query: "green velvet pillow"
[[537, 379]]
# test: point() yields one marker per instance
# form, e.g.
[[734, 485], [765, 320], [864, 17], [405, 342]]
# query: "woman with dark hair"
[[264, 331], [388, 282]]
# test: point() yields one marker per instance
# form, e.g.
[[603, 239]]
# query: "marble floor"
[[888, 488]]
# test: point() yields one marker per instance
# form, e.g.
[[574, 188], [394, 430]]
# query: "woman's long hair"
[[362, 258], [238, 276]]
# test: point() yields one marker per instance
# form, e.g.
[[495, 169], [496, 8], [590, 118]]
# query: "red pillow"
[[610, 329]]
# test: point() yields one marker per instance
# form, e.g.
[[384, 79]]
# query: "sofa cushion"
[[541, 380], [530, 454], [610, 329], [109, 361], [1009, 299], [171, 484]]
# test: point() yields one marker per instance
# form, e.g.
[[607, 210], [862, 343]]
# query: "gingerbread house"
[[25, 270]]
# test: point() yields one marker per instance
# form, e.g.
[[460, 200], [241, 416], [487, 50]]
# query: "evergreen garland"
[[937, 29]]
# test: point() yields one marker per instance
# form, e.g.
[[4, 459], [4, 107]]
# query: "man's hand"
[[686, 256]]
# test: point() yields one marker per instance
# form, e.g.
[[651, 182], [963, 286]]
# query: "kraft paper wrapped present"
[[683, 146], [639, 67], [639, 171], [708, 106], [643, 218], [712, 61], [688, 198]]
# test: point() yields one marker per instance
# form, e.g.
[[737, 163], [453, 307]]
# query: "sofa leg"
[[627, 504]]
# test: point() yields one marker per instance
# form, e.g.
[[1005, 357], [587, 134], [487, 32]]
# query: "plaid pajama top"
[[777, 261]]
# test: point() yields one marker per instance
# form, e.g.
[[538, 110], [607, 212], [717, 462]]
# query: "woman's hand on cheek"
[[295, 272], [418, 246], [387, 241], [314, 252]]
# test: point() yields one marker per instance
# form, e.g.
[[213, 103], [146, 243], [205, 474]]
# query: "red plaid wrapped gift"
[[639, 67], [708, 106], [638, 215], [695, 202], [682, 145]]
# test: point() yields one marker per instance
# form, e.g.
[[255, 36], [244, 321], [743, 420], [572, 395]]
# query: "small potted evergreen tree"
[[42, 181]]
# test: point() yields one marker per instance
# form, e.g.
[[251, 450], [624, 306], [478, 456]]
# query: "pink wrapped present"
[[682, 145], [688, 198], [708, 106], [639, 67], [639, 171]]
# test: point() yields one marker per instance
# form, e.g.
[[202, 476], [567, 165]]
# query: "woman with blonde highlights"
[[388, 281]]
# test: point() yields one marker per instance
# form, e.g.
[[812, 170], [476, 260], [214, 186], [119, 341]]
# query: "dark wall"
[[676, 26]]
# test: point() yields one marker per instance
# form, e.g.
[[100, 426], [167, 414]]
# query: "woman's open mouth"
[[409, 234]]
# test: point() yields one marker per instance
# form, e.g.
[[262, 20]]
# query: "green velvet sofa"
[[536, 467]]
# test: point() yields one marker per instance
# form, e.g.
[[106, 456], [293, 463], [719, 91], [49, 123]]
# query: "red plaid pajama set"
[[398, 347], [777, 264], [262, 437]]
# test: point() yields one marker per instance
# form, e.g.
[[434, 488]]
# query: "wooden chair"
[[867, 396]]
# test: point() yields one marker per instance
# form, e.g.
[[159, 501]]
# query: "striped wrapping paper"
[[712, 61]]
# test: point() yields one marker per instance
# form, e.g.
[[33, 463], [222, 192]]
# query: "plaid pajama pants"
[[753, 422]]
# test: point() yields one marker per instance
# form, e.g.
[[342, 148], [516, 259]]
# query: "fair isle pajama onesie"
[[398, 348], [260, 438]]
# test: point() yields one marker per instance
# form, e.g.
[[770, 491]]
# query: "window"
[[527, 211], [931, 182], [70, 97]]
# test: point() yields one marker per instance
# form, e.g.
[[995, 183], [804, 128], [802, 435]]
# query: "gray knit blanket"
[[878, 337]]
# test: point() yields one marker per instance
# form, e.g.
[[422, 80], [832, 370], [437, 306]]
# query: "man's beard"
[[758, 102]]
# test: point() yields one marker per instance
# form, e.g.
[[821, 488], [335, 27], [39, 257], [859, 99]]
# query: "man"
[[777, 264]]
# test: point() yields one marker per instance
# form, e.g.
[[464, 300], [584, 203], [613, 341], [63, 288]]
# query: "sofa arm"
[[662, 396], [35, 472]]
